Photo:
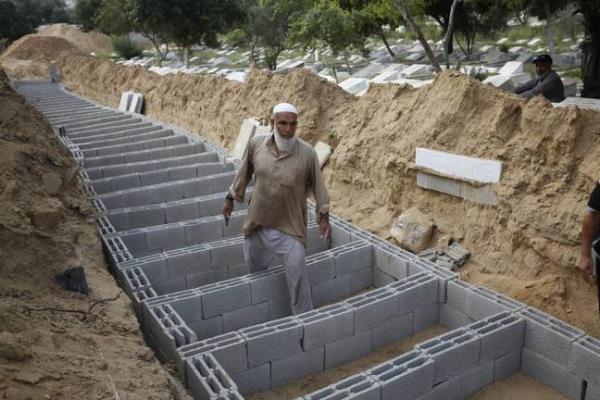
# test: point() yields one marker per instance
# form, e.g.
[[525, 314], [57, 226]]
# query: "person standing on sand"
[[285, 169], [590, 243], [547, 83]]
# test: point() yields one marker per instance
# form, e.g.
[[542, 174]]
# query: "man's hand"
[[227, 209], [325, 229], [585, 267]]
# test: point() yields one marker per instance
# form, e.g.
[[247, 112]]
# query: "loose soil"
[[56, 344]]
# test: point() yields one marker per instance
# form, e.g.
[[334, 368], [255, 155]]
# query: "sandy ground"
[[56, 344], [526, 247]]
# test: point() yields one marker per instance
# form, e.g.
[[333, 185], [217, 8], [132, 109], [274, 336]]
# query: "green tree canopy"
[[13, 24]]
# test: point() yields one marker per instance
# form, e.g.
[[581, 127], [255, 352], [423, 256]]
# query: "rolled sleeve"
[[237, 190], [318, 187]]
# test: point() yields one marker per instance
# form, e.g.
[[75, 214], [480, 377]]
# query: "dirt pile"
[[88, 42], [51, 345], [30, 56], [526, 247]]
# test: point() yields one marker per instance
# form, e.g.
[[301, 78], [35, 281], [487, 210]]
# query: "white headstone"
[[323, 151], [499, 81], [516, 49], [534, 42], [459, 166], [137, 100], [414, 70], [511, 68], [581, 102], [502, 41], [247, 131], [354, 85], [125, 101]]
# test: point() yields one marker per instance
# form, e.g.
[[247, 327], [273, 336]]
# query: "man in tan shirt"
[[285, 170]]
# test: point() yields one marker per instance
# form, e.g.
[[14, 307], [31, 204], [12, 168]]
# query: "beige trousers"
[[267, 245]]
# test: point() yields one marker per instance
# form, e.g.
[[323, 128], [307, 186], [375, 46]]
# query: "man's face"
[[541, 68], [286, 123]]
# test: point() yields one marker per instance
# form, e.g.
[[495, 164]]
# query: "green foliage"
[[13, 24], [86, 12], [328, 25], [113, 17], [40, 12], [124, 47]]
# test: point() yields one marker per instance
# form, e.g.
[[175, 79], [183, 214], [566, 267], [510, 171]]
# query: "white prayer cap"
[[284, 107]]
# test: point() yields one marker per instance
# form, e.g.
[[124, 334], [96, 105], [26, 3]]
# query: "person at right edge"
[[590, 242], [547, 82]]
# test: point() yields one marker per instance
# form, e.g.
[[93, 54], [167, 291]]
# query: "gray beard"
[[284, 145]]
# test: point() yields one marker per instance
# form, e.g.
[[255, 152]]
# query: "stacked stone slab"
[[159, 191]]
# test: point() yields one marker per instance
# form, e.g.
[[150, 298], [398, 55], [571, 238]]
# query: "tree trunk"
[[404, 11], [590, 58], [186, 56], [387, 46], [549, 29], [449, 33]]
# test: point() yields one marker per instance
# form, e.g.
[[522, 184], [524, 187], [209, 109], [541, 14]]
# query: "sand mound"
[[47, 226], [30, 56], [39, 48], [87, 42], [526, 247]]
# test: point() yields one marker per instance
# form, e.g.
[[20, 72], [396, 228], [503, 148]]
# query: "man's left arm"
[[321, 197], [545, 87]]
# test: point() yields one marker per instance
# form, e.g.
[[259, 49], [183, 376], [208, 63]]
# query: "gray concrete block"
[[460, 387], [165, 238], [483, 302], [206, 231], [321, 269], [326, 325], [419, 265], [347, 349], [227, 254], [273, 341], [280, 308], [381, 279], [373, 308], [353, 260], [453, 353], [592, 392], [256, 379], [549, 337], [247, 316], [499, 335], [332, 290], [361, 280], [186, 261], [182, 212], [356, 387], [410, 374], [507, 365], [426, 316], [207, 328], [189, 308], [415, 291], [551, 374], [392, 330], [226, 299], [143, 217], [390, 263], [458, 295], [207, 379], [135, 242], [584, 359], [451, 318], [229, 349], [268, 285], [201, 278], [296, 366]]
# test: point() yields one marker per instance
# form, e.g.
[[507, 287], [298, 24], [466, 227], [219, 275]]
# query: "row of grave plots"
[[158, 191]]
